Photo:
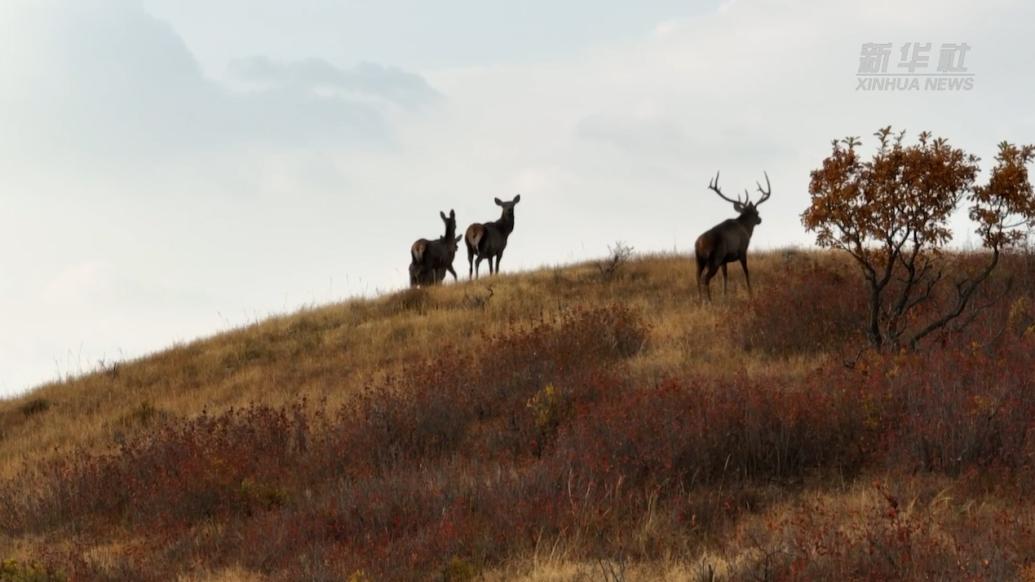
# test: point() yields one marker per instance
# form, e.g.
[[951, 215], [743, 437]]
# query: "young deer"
[[431, 259], [728, 241], [488, 240]]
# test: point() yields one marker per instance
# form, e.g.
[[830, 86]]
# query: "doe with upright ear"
[[488, 240], [430, 260]]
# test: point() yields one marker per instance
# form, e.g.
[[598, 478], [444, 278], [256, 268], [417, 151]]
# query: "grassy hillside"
[[546, 425]]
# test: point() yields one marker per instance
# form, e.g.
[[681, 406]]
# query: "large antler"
[[765, 193], [713, 185]]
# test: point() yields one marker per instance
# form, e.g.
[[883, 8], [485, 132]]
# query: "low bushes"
[[704, 433], [814, 307], [955, 410], [912, 530], [357, 479], [535, 437]]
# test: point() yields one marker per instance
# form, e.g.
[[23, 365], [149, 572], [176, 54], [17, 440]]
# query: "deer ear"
[[498, 202], [517, 199], [738, 207], [452, 213], [458, 238], [443, 215]]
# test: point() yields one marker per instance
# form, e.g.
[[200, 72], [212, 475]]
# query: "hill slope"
[[558, 423], [334, 351]]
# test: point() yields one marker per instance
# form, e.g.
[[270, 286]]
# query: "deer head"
[[508, 207], [450, 222], [748, 210]]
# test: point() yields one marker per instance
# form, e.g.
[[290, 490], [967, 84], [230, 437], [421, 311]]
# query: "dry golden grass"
[[329, 353], [928, 511], [233, 574]]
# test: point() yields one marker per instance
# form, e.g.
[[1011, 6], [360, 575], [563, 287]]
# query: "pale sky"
[[173, 168]]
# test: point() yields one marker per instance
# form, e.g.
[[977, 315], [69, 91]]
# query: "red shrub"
[[443, 405], [694, 433], [210, 466], [954, 409], [813, 308]]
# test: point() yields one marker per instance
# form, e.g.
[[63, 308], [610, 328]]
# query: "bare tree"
[[611, 267]]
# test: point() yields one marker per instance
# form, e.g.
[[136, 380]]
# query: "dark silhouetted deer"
[[488, 240], [431, 259], [728, 241]]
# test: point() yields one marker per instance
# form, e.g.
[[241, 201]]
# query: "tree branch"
[[965, 290]]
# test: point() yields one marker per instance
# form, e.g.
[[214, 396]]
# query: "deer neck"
[[746, 225], [450, 233], [506, 222]]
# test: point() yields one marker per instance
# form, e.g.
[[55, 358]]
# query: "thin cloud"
[[319, 76], [113, 81]]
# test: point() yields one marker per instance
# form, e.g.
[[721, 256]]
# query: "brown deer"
[[489, 239], [431, 259], [728, 241]]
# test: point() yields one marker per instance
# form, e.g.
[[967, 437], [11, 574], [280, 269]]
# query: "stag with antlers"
[[728, 241]]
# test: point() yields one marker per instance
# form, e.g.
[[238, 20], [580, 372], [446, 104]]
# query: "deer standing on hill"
[[489, 239], [431, 259], [728, 241]]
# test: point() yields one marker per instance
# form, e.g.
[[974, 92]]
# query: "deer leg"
[[700, 270], [712, 269], [477, 265], [451, 272], [725, 280], [498, 257], [747, 275], [470, 264]]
